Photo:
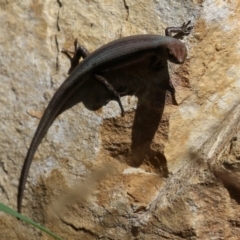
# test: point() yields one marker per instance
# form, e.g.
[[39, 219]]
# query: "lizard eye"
[[170, 53], [172, 57]]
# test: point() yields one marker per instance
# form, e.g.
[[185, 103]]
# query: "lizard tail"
[[52, 111]]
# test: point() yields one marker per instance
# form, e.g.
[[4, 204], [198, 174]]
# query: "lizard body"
[[116, 54]]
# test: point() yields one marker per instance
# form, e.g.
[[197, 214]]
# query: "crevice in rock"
[[127, 8], [165, 233], [2, 189], [58, 29], [60, 5], [186, 234], [82, 229], [135, 231], [234, 223], [57, 59]]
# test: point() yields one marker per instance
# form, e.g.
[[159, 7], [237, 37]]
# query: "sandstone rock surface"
[[160, 172]]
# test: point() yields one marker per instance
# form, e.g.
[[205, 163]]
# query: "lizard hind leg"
[[111, 89]]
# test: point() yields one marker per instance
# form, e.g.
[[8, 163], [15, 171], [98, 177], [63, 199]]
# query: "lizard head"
[[177, 51]]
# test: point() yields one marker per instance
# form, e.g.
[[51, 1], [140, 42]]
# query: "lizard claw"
[[186, 29]]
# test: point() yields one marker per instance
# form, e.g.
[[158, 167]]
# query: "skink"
[[116, 54]]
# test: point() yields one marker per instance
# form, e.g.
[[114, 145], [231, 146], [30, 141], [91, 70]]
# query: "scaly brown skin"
[[116, 54]]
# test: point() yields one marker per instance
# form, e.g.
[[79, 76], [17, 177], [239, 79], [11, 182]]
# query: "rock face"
[[160, 172]]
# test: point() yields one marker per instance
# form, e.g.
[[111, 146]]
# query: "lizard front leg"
[[185, 29], [79, 52], [82, 52]]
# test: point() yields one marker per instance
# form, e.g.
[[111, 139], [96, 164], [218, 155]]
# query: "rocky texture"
[[160, 172]]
